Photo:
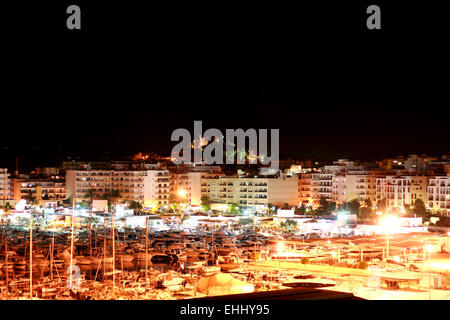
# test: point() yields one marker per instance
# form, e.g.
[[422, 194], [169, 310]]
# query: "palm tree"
[[112, 197], [135, 206], [89, 196]]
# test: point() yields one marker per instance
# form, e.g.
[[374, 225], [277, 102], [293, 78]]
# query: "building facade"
[[252, 191], [439, 194], [40, 190], [5, 185], [150, 187], [401, 191], [305, 188]]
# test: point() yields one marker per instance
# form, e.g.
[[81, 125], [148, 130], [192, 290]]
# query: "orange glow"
[[389, 223], [280, 247], [182, 193]]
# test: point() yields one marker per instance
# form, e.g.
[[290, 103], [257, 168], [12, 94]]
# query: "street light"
[[389, 223], [429, 248], [182, 193]]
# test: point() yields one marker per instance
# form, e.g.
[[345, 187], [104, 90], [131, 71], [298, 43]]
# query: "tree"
[[30, 197], [365, 211], [381, 204], [325, 207], [233, 208], [136, 206], [272, 208], [352, 206], [206, 203], [45, 197], [301, 209], [89, 195], [83, 205], [289, 224], [331, 207], [112, 197], [420, 209]]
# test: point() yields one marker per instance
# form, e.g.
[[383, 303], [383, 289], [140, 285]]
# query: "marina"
[[105, 262]]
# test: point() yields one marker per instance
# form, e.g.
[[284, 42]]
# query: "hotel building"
[[190, 184], [305, 188], [255, 192], [150, 187], [40, 190], [5, 188], [354, 186], [439, 194], [401, 191]]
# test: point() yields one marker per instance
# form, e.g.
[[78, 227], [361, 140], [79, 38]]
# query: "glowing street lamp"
[[181, 193], [428, 247], [388, 223], [280, 248]]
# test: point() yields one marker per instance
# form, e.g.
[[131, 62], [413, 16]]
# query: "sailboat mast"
[[51, 255], [31, 254], [7, 267], [104, 245], [4, 205], [114, 250], [146, 250], [71, 243], [90, 233]]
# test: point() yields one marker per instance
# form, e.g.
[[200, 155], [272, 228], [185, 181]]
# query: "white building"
[[5, 188], [354, 186], [330, 183], [150, 187], [401, 191], [255, 192], [186, 187], [439, 194]]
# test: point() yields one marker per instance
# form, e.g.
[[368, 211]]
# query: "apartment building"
[[150, 187], [322, 186], [401, 191], [305, 188], [39, 190], [418, 163], [354, 186], [439, 194], [156, 187], [255, 192], [330, 183], [186, 187], [5, 186]]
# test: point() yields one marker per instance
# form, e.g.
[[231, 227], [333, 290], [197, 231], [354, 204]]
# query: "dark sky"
[[333, 90]]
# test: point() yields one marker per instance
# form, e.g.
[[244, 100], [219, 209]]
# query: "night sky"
[[111, 91]]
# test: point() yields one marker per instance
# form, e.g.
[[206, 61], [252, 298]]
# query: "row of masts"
[[72, 236]]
